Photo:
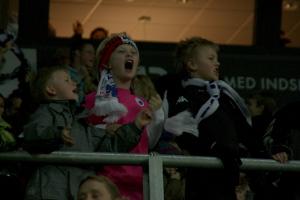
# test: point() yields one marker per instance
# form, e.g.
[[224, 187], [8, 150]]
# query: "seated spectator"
[[55, 126]]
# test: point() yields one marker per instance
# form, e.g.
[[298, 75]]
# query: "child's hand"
[[173, 173], [143, 118], [281, 157], [155, 102], [111, 128], [67, 138]]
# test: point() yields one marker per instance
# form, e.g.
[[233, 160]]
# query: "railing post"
[[146, 192], [156, 178]]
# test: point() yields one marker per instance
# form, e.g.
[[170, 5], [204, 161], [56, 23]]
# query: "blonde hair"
[[39, 83], [143, 86], [187, 48], [110, 186]]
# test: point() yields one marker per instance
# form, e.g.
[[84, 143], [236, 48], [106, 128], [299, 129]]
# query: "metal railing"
[[153, 180]]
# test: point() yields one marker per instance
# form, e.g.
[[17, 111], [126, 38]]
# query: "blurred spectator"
[[98, 34], [19, 104], [282, 141], [262, 106], [243, 191], [98, 188], [7, 139], [51, 31], [143, 86], [284, 41], [10, 184], [82, 67], [174, 178], [174, 183]]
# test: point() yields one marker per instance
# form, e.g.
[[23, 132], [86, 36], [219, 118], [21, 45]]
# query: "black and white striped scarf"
[[211, 105], [184, 122]]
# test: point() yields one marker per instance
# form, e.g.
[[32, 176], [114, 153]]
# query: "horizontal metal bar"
[[76, 158], [142, 159], [212, 162]]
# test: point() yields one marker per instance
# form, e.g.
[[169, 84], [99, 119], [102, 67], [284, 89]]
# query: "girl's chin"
[[129, 75]]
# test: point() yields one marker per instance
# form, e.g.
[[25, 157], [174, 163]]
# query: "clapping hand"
[[143, 118]]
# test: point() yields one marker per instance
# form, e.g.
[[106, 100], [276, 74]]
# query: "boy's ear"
[[50, 90], [191, 66]]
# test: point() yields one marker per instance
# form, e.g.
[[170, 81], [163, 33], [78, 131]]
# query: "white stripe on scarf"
[[211, 105], [185, 122]]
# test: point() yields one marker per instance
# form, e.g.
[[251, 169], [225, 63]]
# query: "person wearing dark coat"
[[282, 141], [209, 118]]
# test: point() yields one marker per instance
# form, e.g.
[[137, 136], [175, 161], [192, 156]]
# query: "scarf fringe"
[[109, 107]]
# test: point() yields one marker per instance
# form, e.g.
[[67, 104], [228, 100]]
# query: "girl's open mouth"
[[129, 64]]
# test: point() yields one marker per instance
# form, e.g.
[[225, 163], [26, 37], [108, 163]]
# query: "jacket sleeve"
[[40, 135], [124, 139]]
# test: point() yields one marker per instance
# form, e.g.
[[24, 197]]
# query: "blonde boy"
[[55, 126]]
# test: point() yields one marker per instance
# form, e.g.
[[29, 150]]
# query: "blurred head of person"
[[98, 188], [98, 33]]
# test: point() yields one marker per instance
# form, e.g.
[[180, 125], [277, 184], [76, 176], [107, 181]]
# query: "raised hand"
[[143, 118], [111, 128]]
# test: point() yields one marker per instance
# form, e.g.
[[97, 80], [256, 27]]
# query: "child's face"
[[123, 63], [205, 64], [254, 108], [61, 86], [93, 190], [87, 56]]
